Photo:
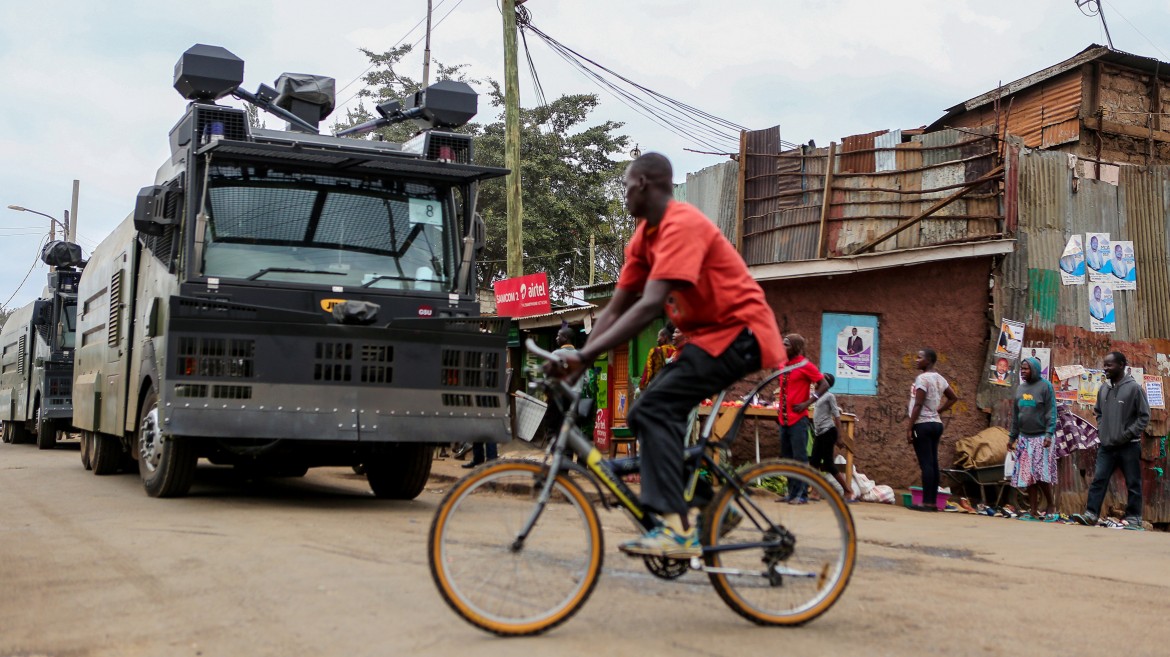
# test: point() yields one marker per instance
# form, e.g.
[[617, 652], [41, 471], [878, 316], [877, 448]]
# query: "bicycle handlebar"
[[531, 346]]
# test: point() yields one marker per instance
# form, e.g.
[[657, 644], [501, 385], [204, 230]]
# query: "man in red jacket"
[[678, 261]]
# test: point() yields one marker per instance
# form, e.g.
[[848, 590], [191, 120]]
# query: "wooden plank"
[[1127, 130], [991, 175], [740, 192], [827, 199]]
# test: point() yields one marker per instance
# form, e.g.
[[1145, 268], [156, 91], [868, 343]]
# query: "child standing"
[[827, 435]]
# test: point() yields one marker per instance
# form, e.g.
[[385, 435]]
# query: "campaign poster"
[[1122, 267], [1011, 337], [1042, 354], [1102, 315], [855, 352], [1090, 383], [1097, 257], [1067, 389], [1154, 393], [1003, 372], [1072, 262]]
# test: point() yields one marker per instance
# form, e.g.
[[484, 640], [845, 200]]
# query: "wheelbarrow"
[[988, 476]]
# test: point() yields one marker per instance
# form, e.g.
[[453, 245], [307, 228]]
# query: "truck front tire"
[[105, 454], [86, 450], [166, 463], [46, 431], [400, 473]]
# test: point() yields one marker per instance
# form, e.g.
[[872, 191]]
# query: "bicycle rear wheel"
[[812, 551], [491, 583]]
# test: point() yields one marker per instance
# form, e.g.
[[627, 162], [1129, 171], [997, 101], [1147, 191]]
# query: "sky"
[[87, 86]]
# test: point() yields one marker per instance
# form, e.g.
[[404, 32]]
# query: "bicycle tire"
[[804, 583], [483, 580]]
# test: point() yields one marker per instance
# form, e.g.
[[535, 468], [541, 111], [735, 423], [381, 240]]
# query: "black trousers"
[[926, 437], [822, 453], [1128, 458], [659, 416]]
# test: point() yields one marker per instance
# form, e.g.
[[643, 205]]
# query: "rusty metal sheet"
[[1046, 114], [859, 162]]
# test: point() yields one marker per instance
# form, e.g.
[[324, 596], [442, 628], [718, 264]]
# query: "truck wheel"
[[6, 432], [20, 435], [400, 473], [166, 463], [86, 449], [46, 431], [105, 454]]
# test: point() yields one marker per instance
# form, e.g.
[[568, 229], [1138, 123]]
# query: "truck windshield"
[[68, 325], [266, 223]]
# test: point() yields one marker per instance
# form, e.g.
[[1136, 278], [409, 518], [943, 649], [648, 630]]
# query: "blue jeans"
[[478, 452], [794, 445], [1128, 457]]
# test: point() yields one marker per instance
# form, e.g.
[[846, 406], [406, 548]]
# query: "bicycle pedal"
[[696, 563]]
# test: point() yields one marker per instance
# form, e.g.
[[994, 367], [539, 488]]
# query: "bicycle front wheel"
[[802, 555], [497, 583]]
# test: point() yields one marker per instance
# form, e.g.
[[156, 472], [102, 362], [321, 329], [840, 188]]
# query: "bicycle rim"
[[779, 586], [506, 591]]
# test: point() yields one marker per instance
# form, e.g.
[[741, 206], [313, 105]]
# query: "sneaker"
[[951, 508], [664, 543], [965, 505], [1027, 517], [730, 522], [988, 511], [1088, 518], [1055, 517], [798, 500], [1135, 523], [1008, 511]]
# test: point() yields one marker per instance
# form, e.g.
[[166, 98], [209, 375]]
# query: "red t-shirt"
[[794, 389], [722, 298]]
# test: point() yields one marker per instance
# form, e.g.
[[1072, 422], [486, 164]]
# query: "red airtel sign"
[[522, 296]]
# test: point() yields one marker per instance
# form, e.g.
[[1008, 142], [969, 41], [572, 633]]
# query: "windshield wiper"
[[381, 277], [291, 270]]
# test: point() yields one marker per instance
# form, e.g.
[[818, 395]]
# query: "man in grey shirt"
[[1122, 415]]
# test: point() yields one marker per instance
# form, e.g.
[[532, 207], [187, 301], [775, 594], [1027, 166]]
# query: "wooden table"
[[724, 419]]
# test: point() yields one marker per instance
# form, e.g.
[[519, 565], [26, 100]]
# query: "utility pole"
[[427, 51], [592, 256], [515, 242], [71, 221]]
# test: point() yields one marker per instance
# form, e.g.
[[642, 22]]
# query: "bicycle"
[[534, 565]]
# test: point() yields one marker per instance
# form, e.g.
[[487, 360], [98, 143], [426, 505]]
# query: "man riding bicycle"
[[679, 261]]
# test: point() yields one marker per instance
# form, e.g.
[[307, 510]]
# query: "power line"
[[26, 275], [1135, 29]]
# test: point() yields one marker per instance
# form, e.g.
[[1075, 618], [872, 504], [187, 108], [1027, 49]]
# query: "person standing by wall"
[[658, 357], [1122, 415], [795, 399], [1033, 425], [827, 436], [926, 427]]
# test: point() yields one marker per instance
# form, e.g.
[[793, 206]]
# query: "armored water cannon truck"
[[283, 299], [36, 355]]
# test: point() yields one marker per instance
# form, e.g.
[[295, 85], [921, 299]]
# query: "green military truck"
[[282, 299]]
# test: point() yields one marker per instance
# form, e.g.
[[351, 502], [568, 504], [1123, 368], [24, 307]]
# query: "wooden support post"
[[515, 210], [827, 198], [741, 191], [991, 175]]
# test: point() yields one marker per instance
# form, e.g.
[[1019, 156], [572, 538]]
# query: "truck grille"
[[217, 357], [335, 362], [470, 369]]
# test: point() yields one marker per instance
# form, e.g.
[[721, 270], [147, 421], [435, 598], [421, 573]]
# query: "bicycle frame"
[[601, 471]]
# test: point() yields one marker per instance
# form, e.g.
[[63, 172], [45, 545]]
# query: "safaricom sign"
[[522, 296]]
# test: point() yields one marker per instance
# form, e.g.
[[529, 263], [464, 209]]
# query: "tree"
[[4, 314], [571, 181]]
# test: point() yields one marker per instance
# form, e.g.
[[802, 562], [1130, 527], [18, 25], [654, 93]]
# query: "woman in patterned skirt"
[[1033, 423]]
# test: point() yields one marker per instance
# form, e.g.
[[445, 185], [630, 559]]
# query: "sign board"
[[523, 296]]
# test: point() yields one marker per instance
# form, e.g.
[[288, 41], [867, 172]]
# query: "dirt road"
[[89, 566]]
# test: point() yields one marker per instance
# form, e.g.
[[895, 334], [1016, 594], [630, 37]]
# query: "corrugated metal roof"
[[1044, 115], [714, 190]]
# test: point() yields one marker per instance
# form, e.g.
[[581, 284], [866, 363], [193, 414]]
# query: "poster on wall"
[[1154, 392], [855, 352], [1123, 267], [1011, 337], [1097, 257], [1102, 318], [1002, 371], [1067, 381], [1072, 262], [1042, 354], [1090, 383]]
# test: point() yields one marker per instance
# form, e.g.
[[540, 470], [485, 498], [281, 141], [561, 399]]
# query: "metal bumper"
[[346, 414]]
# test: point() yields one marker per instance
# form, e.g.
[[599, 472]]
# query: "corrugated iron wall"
[[1053, 206], [1043, 115], [715, 191], [878, 182]]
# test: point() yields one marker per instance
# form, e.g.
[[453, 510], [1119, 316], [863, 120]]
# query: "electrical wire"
[[1135, 29], [26, 275]]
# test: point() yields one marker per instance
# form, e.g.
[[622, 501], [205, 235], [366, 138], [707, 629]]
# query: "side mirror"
[[478, 232], [150, 215], [42, 314]]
